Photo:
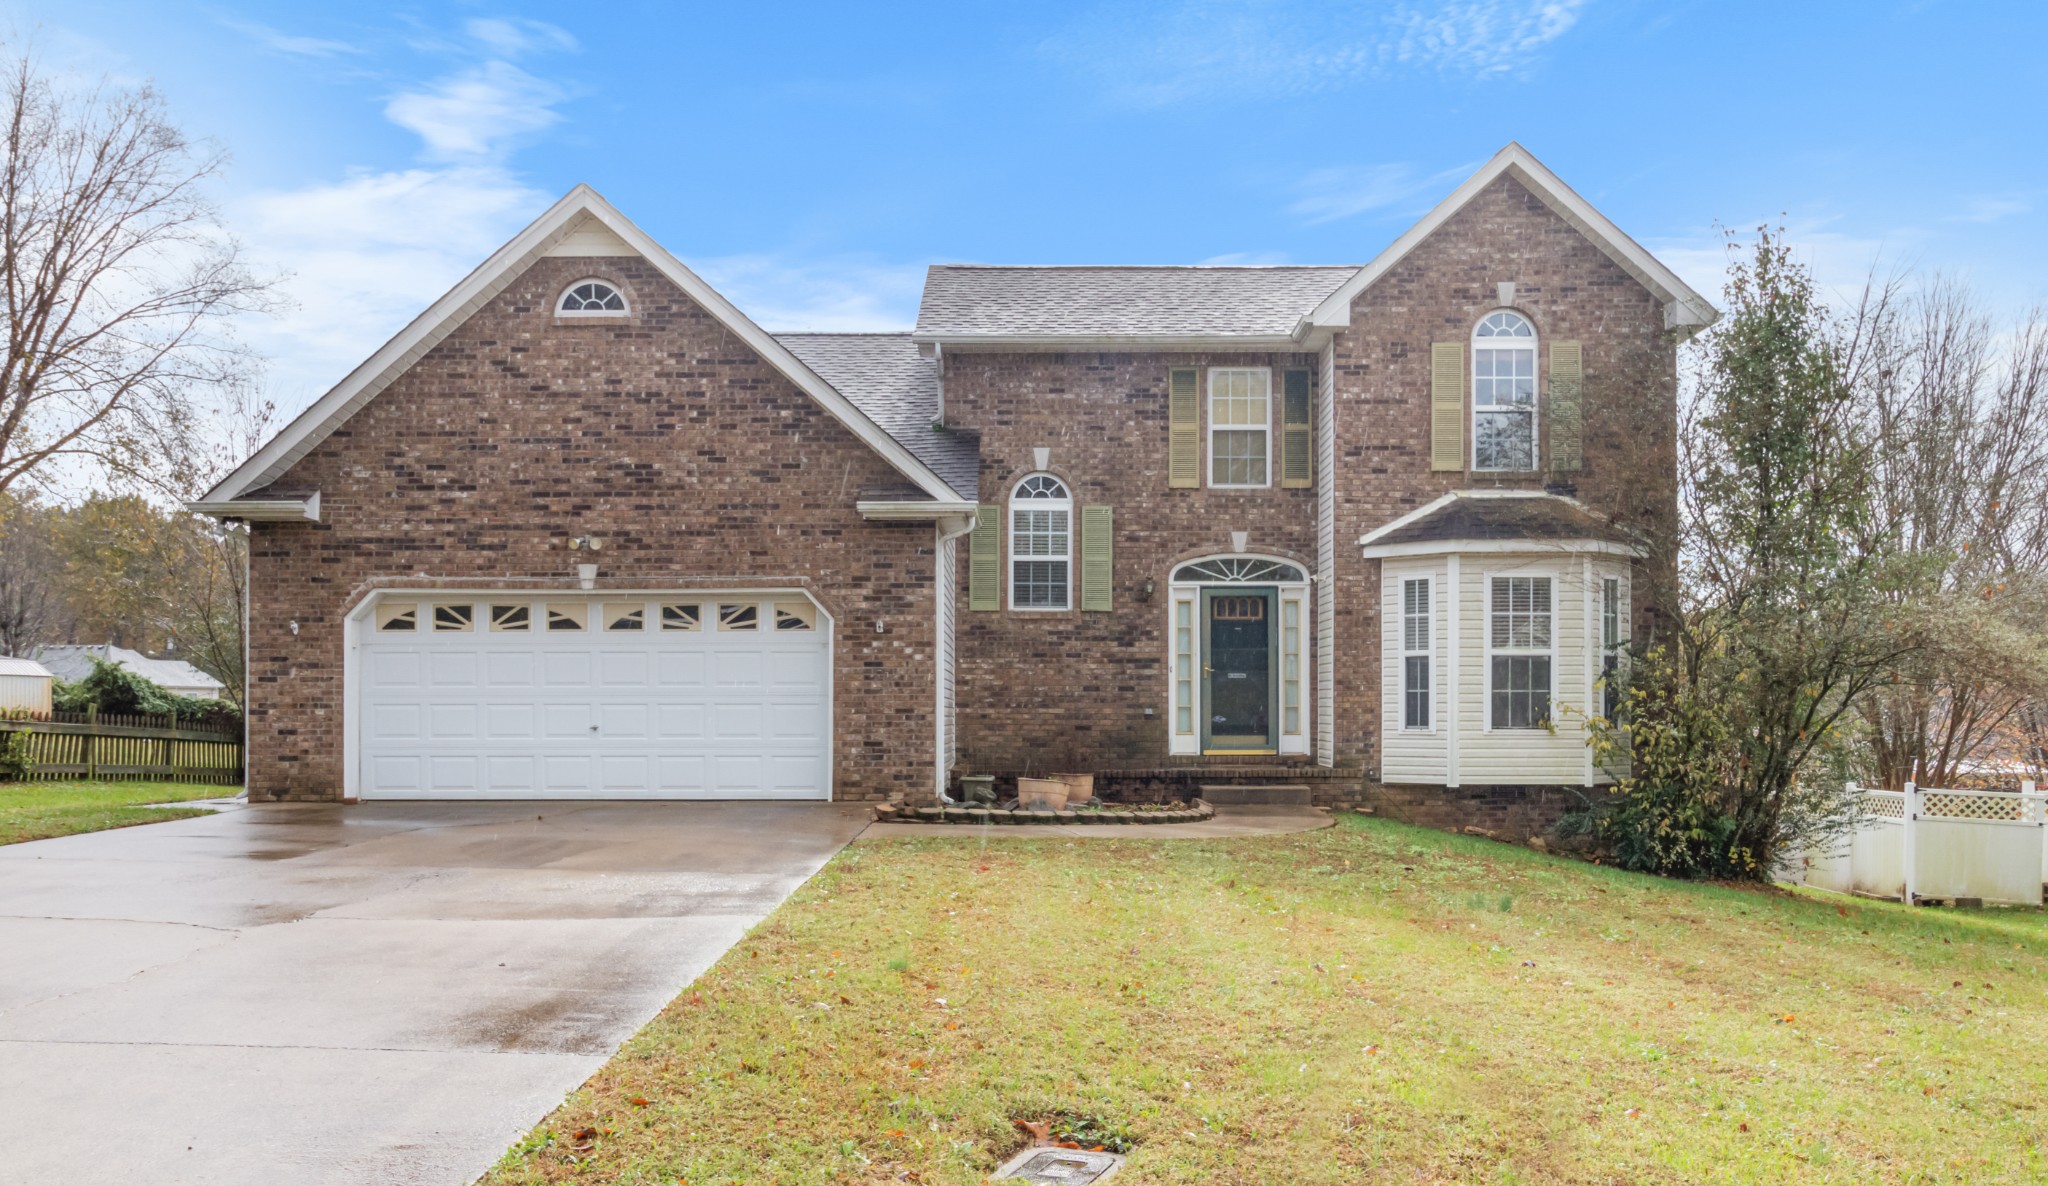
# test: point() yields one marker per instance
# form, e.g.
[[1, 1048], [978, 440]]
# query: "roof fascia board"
[[1684, 309], [260, 510], [903, 511], [490, 278], [1439, 547]]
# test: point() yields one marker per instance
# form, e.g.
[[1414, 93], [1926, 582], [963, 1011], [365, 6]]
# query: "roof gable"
[[1684, 309], [581, 223]]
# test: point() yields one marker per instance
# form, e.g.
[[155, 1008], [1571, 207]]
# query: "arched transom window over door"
[[1041, 543], [1504, 392]]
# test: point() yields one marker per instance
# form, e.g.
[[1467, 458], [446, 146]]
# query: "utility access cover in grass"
[[1063, 1166]]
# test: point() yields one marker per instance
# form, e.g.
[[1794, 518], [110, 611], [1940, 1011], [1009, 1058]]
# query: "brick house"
[[582, 529]]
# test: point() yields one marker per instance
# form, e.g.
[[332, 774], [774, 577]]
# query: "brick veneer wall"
[[1514, 813], [1040, 690], [697, 463], [1569, 290]]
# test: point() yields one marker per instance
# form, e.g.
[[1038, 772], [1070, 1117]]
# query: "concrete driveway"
[[385, 993]]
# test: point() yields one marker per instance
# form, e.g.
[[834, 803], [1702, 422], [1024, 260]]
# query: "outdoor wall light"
[[586, 543], [295, 627], [1145, 591]]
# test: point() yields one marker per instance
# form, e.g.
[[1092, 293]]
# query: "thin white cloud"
[[1266, 48], [278, 41], [785, 292], [1330, 194], [479, 113], [365, 255], [516, 36], [1990, 210], [1842, 261]]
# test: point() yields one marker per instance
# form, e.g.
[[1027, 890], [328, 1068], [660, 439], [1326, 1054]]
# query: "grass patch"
[[40, 810], [1367, 1003]]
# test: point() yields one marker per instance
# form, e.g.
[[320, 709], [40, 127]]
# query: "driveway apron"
[[384, 993]]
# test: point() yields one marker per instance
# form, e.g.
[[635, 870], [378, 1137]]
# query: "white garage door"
[[708, 696]]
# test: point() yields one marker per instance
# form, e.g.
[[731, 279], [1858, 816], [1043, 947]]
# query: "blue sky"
[[811, 160]]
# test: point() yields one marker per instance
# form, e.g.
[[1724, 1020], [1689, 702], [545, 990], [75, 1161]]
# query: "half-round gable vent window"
[[592, 298]]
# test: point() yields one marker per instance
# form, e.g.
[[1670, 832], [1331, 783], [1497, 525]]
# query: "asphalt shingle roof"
[[962, 300], [885, 377], [1532, 518]]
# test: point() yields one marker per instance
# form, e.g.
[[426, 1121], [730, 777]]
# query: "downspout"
[[945, 533]]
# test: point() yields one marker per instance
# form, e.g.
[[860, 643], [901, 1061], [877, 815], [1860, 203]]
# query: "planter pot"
[[979, 789], [1041, 794], [1080, 787]]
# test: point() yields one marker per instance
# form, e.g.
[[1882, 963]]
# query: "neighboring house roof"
[[964, 303], [13, 666], [1468, 520], [1684, 309], [583, 223], [886, 377], [73, 661]]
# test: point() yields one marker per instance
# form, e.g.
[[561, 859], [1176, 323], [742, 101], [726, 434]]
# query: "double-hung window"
[[1610, 646], [1519, 625], [1041, 543], [1416, 634], [1504, 393], [1240, 426]]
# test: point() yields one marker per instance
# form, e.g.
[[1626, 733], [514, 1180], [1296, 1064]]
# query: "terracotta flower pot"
[[1041, 794], [1080, 787]]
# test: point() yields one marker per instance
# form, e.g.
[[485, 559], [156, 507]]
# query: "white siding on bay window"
[[1556, 756], [1412, 755]]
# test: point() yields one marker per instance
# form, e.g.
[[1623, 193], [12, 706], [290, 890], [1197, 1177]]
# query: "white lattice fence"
[[1942, 843]]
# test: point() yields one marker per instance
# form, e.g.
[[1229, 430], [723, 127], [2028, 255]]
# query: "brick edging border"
[[1194, 812]]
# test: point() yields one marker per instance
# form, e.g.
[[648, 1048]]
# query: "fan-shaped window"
[[592, 298], [1041, 543], [1237, 570], [1504, 392]]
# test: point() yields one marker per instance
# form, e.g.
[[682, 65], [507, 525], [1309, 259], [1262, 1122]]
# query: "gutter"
[[260, 510]]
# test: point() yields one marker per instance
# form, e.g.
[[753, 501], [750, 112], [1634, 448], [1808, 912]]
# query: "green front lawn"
[[40, 810], [1369, 1003]]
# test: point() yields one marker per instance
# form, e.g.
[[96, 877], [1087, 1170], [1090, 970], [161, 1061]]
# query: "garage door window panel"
[[454, 617], [681, 615], [571, 615], [398, 616], [511, 617], [738, 618], [629, 616]]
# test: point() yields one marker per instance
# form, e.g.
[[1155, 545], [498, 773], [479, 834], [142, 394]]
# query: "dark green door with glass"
[[1239, 670]]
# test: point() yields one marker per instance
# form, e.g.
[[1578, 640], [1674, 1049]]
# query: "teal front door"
[[1239, 683]]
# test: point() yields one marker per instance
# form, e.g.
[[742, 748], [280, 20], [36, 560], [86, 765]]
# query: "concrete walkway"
[[1228, 822], [382, 994]]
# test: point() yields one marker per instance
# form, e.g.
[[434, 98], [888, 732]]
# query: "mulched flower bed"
[[1092, 813]]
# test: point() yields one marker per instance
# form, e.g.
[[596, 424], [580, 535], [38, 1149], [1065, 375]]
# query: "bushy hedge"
[[115, 690]]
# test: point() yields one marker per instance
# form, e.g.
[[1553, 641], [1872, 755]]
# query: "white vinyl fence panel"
[[1918, 844]]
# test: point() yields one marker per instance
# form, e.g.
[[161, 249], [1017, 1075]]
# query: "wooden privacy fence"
[[87, 745]]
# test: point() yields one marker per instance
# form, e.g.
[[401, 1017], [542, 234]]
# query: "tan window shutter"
[[1096, 568], [1184, 430], [1567, 407], [985, 561], [1297, 450], [1447, 405]]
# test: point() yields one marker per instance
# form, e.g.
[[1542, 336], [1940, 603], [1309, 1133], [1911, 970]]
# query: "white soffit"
[[580, 221], [1684, 309]]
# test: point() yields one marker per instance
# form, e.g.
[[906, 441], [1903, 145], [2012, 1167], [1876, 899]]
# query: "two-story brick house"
[[583, 529]]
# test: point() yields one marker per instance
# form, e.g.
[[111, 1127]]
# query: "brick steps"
[[1220, 795]]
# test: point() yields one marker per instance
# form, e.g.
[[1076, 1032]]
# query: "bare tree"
[[119, 281], [29, 571], [1960, 475]]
